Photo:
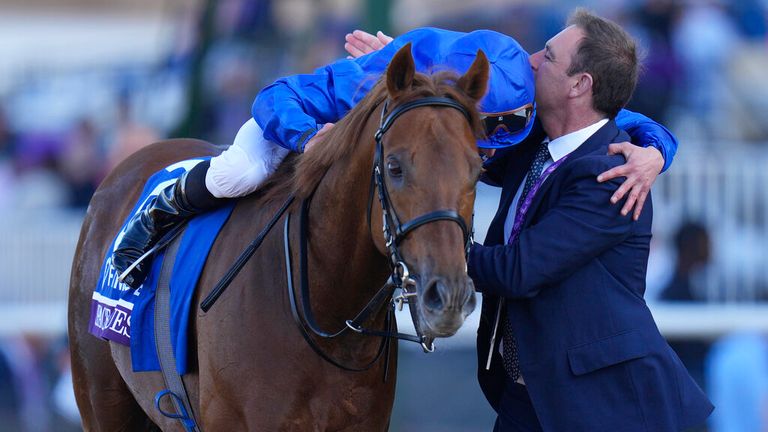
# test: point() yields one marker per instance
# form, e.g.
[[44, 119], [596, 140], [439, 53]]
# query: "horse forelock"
[[301, 175], [444, 84]]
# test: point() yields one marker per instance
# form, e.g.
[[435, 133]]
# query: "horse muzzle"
[[445, 304]]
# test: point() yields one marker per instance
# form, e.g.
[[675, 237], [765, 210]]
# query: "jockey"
[[294, 112]]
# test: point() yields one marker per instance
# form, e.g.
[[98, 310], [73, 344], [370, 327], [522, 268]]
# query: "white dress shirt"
[[558, 149]]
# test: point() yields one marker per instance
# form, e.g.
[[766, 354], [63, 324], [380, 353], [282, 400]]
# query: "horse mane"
[[301, 174]]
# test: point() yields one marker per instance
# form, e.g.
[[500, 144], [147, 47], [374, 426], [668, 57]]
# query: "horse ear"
[[474, 83], [400, 72]]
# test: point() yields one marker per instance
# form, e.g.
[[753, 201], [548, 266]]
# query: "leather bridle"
[[394, 233]]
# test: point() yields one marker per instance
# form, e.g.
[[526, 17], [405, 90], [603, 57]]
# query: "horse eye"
[[394, 169]]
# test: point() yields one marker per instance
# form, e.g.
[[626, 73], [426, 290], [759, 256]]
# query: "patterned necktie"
[[509, 347], [542, 156]]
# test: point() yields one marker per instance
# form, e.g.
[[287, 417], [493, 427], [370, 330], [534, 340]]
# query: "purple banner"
[[111, 319]]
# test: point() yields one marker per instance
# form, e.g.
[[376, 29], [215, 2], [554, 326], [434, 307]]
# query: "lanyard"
[[516, 228], [526, 205]]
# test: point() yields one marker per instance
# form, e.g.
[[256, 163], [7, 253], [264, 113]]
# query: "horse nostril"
[[433, 295], [470, 304], [471, 301]]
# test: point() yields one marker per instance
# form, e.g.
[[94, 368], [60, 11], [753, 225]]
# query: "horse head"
[[429, 166]]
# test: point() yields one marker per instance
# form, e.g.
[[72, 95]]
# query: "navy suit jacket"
[[590, 353]]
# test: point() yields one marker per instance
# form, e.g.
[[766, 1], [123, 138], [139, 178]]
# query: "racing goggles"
[[510, 122]]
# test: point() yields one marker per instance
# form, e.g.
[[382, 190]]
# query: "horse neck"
[[345, 268]]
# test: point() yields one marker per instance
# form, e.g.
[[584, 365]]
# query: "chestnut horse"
[[251, 367]]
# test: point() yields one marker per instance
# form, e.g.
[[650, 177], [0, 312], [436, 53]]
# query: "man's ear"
[[582, 85]]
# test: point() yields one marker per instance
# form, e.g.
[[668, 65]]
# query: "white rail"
[[725, 189]]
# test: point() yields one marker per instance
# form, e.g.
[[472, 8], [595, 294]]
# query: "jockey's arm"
[[292, 109], [654, 149], [645, 132]]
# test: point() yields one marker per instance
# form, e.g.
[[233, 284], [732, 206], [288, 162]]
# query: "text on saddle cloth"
[[125, 315]]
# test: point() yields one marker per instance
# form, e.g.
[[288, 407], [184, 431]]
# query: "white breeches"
[[244, 166]]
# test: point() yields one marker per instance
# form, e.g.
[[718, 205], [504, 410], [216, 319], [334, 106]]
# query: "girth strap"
[[164, 345]]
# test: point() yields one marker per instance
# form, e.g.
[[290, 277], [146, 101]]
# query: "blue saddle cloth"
[[125, 315]]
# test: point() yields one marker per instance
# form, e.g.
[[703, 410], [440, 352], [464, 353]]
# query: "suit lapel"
[[605, 134], [518, 162]]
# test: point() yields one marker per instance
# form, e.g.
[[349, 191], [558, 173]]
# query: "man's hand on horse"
[[643, 166], [318, 136], [360, 43]]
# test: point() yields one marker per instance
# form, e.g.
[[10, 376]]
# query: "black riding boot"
[[173, 205]]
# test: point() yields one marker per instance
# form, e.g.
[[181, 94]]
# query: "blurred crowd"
[[44, 170], [36, 385], [703, 65]]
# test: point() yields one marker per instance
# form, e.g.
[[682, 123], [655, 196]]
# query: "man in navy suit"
[[566, 341]]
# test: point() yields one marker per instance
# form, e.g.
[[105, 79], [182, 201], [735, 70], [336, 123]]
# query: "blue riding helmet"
[[508, 108]]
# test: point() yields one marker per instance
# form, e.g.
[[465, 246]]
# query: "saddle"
[[125, 315]]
